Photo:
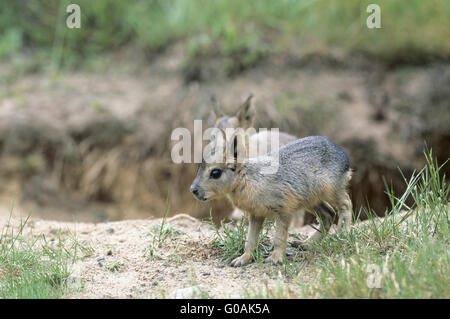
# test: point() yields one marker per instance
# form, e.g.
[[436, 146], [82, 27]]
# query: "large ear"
[[216, 107], [214, 151], [237, 148], [246, 113]]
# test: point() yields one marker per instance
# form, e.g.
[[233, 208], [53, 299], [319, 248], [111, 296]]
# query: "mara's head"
[[217, 174], [242, 118]]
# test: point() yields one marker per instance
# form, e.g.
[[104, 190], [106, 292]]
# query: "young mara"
[[313, 174], [244, 118]]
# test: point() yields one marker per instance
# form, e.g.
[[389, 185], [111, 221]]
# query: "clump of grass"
[[33, 268], [175, 256], [161, 231], [404, 255], [114, 267], [231, 238]]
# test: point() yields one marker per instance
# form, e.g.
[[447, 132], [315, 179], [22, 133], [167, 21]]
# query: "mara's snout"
[[197, 193]]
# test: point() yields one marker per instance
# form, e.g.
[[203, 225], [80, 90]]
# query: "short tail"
[[348, 175]]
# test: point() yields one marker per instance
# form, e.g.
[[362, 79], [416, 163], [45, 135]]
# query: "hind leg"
[[237, 214], [325, 216], [345, 213], [298, 219]]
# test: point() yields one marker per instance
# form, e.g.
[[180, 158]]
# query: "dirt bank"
[[96, 146]]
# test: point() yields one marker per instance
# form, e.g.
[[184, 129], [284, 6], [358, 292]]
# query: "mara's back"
[[315, 152], [312, 162]]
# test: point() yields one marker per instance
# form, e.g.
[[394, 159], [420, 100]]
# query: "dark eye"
[[215, 173]]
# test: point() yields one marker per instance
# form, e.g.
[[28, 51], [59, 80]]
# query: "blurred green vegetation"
[[412, 31]]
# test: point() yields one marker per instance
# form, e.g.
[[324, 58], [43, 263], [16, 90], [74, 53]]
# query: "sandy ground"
[[119, 264]]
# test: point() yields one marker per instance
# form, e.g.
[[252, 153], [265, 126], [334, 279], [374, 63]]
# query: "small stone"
[[110, 230], [100, 261], [290, 251], [185, 293]]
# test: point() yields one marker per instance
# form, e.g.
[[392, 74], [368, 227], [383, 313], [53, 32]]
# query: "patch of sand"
[[119, 262]]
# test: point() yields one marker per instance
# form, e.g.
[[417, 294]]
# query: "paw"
[[275, 259], [241, 261]]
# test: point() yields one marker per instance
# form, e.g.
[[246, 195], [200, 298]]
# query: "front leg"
[[280, 240], [254, 227]]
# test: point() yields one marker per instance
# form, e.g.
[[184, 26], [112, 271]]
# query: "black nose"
[[194, 190]]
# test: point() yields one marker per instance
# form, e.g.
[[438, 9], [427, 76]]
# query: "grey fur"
[[244, 118], [313, 174]]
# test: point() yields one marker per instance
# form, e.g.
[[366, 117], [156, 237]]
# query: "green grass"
[[231, 237], [404, 255], [161, 231], [34, 268], [412, 31], [408, 252]]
